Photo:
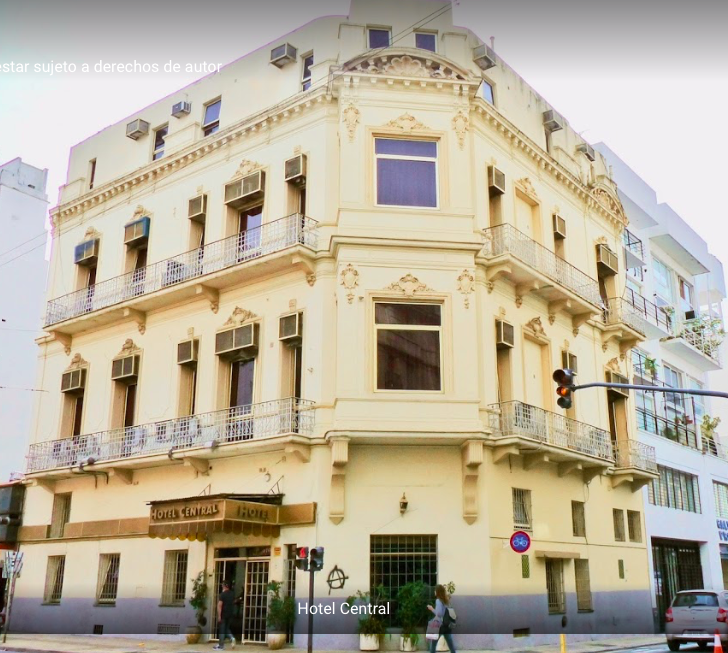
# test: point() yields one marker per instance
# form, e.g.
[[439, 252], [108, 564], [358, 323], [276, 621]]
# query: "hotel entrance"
[[246, 569]]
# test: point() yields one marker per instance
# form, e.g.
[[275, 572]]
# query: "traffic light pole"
[[650, 388], [310, 612]]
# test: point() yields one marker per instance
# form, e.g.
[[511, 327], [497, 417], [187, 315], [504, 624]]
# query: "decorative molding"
[[245, 168], [519, 301], [350, 116], [408, 65], [238, 317], [407, 123], [311, 279], [466, 282], [609, 201], [409, 285], [139, 212], [502, 311], [527, 187], [128, 348], [91, 234], [76, 362], [613, 365], [536, 327], [350, 280], [602, 240], [461, 125], [552, 318], [489, 285]]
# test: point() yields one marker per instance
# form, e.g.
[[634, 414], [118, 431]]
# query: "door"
[[533, 373], [249, 227], [677, 567], [255, 610], [232, 571], [240, 424], [524, 218]]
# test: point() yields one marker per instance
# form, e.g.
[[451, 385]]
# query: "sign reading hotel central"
[[213, 510]]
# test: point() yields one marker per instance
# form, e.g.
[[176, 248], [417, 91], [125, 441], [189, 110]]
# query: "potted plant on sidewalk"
[[281, 615], [198, 602], [371, 627], [412, 613], [441, 643]]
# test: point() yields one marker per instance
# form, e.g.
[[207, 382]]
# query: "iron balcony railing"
[[710, 446], [633, 244], [506, 239], [644, 309], [635, 454], [244, 246], [513, 418], [705, 335], [679, 432], [238, 424]]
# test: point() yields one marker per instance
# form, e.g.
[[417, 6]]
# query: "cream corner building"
[[275, 313]]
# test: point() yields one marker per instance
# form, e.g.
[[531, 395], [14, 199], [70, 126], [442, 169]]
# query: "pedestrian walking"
[[445, 614], [225, 612]]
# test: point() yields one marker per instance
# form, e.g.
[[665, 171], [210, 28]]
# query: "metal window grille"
[[620, 568], [583, 586], [521, 632], [291, 583], [168, 629], [525, 566], [578, 520], [396, 560], [618, 517], [522, 509], [174, 581], [634, 526], [555, 586], [98, 629], [54, 579], [61, 514], [675, 489], [720, 492], [107, 584]]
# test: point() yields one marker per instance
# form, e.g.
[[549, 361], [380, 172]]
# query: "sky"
[[648, 78]]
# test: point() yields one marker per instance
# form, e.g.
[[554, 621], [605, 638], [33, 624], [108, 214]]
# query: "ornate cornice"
[[408, 62]]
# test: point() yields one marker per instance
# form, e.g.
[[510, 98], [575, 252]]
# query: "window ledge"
[[171, 605], [49, 603], [105, 605]]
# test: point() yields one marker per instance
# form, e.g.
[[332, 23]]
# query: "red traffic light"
[[302, 552]]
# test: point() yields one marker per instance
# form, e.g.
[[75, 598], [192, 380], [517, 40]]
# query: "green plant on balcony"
[[669, 433], [708, 426], [705, 332], [650, 366]]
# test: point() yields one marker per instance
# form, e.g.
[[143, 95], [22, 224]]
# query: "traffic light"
[[317, 558], [565, 381], [302, 558]]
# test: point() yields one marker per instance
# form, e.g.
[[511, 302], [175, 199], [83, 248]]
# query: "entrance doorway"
[[677, 567], [246, 569]]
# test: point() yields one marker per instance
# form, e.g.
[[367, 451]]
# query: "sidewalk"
[[104, 644]]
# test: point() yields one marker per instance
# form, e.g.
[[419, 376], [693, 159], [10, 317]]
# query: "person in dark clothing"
[[225, 612]]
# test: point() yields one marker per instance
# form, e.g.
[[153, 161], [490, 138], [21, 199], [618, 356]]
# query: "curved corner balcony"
[[636, 464], [532, 268], [203, 272], [192, 440], [540, 436], [698, 341], [631, 319]]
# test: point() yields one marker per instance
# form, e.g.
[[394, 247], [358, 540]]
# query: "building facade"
[[673, 276], [327, 312]]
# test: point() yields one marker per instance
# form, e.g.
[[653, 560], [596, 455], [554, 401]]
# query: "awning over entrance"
[[197, 517]]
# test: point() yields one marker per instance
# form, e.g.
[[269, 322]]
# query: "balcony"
[[677, 431], [634, 250], [633, 318], [698, 341], [510, 254], [714, 448], [248, 255], [636, 464], [542, 437], [192, 440]]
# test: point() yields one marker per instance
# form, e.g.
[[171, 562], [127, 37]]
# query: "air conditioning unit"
[[125, 369], [496, 181], [552, 120], [504, 335], [181, 109], [245, 190], [87, 252], [187, 351], [614, 377], [137, 128], [607, 260], [559, 226], [290, 329], [73, 381], [690, 315], [238, 344], [587, 150], [197, 208], [136, 232], [484, 57], [568, 361], [282, 55], [295, 170]]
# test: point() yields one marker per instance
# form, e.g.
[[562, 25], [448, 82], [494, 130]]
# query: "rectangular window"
[[488, 92], [686, 295], [583, 586], [522, 509], [663, 280], [61, 514], [211, 121], [408, 346], [54, 579], [634, 526], [674, 489], [107, 584], [159, 136], [406, 172], [426, 41], [720, 492], [379, 38], [618, 518], [91, 173], [396, 560], [578, 520], [174, 580], [555, 586], [306, 72]]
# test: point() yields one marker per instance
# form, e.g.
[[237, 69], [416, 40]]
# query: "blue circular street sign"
[[520, 541]]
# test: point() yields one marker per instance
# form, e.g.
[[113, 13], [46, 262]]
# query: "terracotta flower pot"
[[276, 640], [193, 634]]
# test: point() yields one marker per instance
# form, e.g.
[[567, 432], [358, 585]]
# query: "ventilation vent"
[[168, 629], [98, 629]]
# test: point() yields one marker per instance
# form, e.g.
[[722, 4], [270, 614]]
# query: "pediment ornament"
[[527, 187], [239, 316], [535, 326], [76, 362], [407, 66], [409, 285], [245, 168], [609, 202], [128, 348], [407, 123]]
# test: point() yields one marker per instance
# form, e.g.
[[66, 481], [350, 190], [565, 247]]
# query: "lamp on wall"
[[403, 503]]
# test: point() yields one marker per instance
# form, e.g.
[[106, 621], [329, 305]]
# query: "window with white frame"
[[379, 37], [107, 584], [408, 346], [487, 91], [160, 134], [406, 172], [720, 492], [675, 489], [174, 579], [662, 276], [687, 296], [306, 72], [211, 119], [426, 41]]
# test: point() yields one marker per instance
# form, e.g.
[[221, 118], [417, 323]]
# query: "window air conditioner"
[[295, 170], [552, 121], [613, 377], [568, 361], [587, 150], [690, 315], [484, 57], [87, 252], [244, 190], [187, 351], [197, 208], [125, 369], [559, 227], [136, 232], [282, 55], [137, 128], [181, 109], [607, 260], [238, 344], [504, 335], [496, 181], [290, 329], [73, 381]]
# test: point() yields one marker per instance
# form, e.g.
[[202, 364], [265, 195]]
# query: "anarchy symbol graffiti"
[[336, 579]]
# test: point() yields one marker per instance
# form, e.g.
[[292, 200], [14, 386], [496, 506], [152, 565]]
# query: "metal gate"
[[255, 609], [677, 567]]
